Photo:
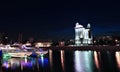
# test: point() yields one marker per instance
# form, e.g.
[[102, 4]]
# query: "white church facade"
[[83, 36]]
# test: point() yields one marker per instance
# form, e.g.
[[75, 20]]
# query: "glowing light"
[[82, 35], [116, 40], [43, 44], [25, 60], [117, 54], [88, 26], [96, 59], [26, 63], [43, 61], [51, 60], [6, 56], [82, 62], [6, 65], [78, 25], [78, 67], [62, 59], [42, 55]]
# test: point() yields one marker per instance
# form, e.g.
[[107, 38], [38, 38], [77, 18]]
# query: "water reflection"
[[97, 60], [62, 56], [23, 63], [65, 61], [117, 54], [51, 60], [83, 61]]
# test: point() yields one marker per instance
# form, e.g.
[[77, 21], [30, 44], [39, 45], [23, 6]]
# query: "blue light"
[[0, 53], [43, 61]]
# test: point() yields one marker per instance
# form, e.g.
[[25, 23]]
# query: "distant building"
[[42, 44], [106, 40], [83, 36]]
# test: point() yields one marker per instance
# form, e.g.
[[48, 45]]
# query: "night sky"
[[56, 18]]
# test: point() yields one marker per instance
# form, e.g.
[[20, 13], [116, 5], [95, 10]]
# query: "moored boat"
[[23, 52]]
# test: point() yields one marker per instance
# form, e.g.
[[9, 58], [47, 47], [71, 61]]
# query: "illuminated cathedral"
[[83, 36]]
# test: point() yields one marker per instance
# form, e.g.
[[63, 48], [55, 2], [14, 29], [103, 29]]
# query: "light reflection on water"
[[51, 60], [117, 54], [83, 61], [96, 59], [22, 63], [62, 56], [63, 61]]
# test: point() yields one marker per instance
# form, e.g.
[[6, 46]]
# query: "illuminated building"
[[43, 44], [83, 36]]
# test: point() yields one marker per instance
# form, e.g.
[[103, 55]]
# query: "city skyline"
[[47, 19]]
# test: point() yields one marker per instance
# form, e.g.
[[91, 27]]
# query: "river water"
[[65, 61]]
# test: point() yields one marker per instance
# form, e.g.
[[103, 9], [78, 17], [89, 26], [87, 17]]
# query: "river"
[[65, 61]]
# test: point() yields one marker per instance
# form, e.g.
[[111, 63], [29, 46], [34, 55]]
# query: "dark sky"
[[57, 18]]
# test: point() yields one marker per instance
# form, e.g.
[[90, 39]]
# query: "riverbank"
[[93, 48]]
